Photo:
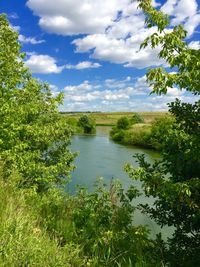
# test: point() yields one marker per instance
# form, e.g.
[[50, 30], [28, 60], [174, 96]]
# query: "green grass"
[[23, 242]]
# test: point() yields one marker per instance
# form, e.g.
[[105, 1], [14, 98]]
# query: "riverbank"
[[138, 135], [145, 135], [147, 131]]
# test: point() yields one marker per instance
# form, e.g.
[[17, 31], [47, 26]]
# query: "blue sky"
[[90, 49]]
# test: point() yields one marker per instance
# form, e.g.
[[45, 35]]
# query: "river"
[[101, 157]]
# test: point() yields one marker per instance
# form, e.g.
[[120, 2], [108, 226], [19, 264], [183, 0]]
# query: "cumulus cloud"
[[68, 17], [84, 65], [120, 51], [183, 11], [113, 30], [85, 86], [26, 40], [131, 94], [192, 23], [43, 64], [29, 40], [194, 45]]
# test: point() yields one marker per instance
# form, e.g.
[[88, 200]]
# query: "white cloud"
[[112, 89], [113, 30], [24, 39], [192, 23], [194, 45], [169, 6], [13, 15], [183, 11], [29, 40], [120, 51], [84, 65], [132, 95], [43, 64], [15, 27], [85, 86], [68, 17]]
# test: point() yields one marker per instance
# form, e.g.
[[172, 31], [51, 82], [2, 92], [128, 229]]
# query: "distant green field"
[[110, 118]]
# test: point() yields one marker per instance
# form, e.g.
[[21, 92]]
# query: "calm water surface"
[[101, 157]]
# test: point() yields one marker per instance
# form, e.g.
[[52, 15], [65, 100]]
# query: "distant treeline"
[[75, 112]]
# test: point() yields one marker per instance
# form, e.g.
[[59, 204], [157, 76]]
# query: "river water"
[[101, 157]]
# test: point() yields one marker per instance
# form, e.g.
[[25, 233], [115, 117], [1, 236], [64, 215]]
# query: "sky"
[[89, 49]]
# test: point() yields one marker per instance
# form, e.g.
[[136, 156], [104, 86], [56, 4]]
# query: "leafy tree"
[[33, 135], [123, 123], [174, 181], [87, 123]]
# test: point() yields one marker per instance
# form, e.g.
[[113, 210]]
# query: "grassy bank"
[[147, 135], [24, 238], [137, 135]]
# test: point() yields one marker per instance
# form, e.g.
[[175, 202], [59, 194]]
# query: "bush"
[[117, 134], [159, 130], [103, 227], [123, 123], [138, 136], [136, 118]]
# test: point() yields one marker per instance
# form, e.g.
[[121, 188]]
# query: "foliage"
[[123, 123], [33, 135], [174, 182], [136, 118], [159, 131], [176, 52], [100, 223], [116, 134], [138, 135], [87, 123], [105, 219]]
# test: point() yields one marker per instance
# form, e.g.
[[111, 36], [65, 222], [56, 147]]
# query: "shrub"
[[87, 123], [136, 118], [117, 134], [123, 123], [159, 130], [138, 136]]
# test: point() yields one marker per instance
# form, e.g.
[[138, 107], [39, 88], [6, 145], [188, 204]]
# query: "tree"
[[33, 135], [87, 124], [174, 181]]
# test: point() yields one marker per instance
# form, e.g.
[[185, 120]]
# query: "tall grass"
[[22, 240]]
